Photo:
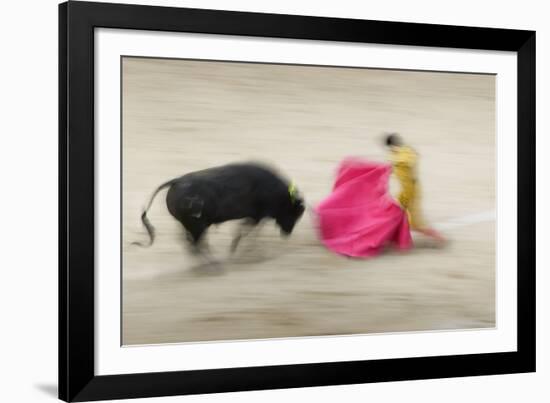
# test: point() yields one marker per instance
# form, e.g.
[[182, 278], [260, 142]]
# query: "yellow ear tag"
[[292, 191]]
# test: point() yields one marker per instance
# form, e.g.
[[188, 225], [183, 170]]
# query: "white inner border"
[[111, 358]]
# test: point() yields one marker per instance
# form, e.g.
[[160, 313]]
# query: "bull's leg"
[[244, 230], [192, 245], [195, 231]]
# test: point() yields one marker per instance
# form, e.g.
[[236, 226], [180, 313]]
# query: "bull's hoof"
[[234, 244]]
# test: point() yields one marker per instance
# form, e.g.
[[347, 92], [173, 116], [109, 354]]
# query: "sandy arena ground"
[[180, 116]]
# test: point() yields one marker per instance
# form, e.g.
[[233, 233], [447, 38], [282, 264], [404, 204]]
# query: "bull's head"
[[291, 210]]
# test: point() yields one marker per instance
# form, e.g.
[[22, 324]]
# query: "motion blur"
[[183, 117]]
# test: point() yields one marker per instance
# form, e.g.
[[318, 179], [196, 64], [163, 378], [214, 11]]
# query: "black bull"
[[230, 192]]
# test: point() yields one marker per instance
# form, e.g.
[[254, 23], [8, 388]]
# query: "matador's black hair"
[[393, 139]]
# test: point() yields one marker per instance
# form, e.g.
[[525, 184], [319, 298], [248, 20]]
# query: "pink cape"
[[360, 217]]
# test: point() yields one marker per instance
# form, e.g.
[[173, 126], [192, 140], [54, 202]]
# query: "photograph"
[[265, 201]]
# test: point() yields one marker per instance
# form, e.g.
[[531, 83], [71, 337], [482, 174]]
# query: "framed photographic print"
[[258, 201]]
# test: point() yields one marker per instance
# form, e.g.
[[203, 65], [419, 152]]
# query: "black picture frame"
[[77, 379]]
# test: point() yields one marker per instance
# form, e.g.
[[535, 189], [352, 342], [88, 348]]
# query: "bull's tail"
[[146, 223]]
